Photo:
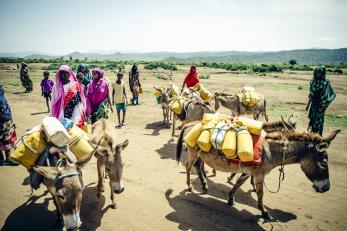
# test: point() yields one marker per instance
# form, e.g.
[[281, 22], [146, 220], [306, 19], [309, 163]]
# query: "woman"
[[25, 79], [98, 97], [321, 95], [83, 68], [68, 97], [134, 73], [191, 79], [7, 130]]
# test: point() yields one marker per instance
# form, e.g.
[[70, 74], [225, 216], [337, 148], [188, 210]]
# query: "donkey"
[[193, 110], [233, 103], [164, 102], [108, 154], [65, 184], [279, 149], [276, 126]]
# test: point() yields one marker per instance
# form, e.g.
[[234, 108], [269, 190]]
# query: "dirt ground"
[[155, 196]]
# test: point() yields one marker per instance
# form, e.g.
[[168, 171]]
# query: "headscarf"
[[192, 78], [87, 76], [320, 89], [59, 94], [134, 69], [97, 92]]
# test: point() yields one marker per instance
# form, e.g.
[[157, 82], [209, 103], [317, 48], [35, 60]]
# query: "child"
[[46, 88], [119, 97], [80, 78]]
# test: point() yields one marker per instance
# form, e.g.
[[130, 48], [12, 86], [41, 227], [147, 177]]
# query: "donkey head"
[[111, 152], [315, 163], [164, 97], [66, 187]]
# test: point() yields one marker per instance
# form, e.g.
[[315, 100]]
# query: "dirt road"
[[155, 196]]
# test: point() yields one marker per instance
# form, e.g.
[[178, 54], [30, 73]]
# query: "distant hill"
[[306, 56]]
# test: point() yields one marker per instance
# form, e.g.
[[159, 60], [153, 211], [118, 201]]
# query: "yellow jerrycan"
[[244, 145], [229, 144], [203, 141], [79, 144], [192, 136], [253, 126], [30, 148]]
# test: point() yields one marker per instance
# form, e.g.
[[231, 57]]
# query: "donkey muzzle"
[[321, 186], [118, 187]]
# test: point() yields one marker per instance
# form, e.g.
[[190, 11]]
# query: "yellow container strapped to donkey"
[[29, 149], [79, 144], [204, 93], [176, 104]]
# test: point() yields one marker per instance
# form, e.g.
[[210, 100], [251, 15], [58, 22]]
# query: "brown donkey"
[[109, 158], [65, 184], [233, 103], [279, 149], [193, 110]]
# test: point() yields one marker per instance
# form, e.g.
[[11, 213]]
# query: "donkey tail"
[[179, 145]]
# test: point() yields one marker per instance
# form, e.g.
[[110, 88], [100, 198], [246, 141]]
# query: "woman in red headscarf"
[[191, 79]]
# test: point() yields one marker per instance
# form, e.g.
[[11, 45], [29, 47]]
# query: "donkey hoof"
[[113, 206], [266, 215], [190, 189], [254, 190], [214, 172], [230, 202]]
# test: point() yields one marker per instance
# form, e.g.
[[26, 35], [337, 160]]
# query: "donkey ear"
[[322, 146], [332, 136], [47, 172], [120, 147]]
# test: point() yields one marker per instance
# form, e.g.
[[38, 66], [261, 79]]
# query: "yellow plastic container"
[[204, 93], [157, 93], [192, 136], [79, 144], [176, 105], [31, 147], [217, 117], [229, 144], [85, 127], [140, 90], [244, 145], [253, 126], [174, 90], [203, 141]]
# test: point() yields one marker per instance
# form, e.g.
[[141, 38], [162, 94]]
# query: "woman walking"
[[191, 79], [98, 96], [320, 96], [24, 78], [68, 99]]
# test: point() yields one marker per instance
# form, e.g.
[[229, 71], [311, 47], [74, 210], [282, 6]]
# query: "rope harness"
[[281, 170]]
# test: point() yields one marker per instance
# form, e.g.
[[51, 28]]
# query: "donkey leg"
[[259, 180], [192, 157], [253, 184], [173, 125], [113, 205], [199, 167], [237, 185], [231, 177], [101, 172]]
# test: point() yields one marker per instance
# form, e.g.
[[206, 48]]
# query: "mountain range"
[[306, 56]]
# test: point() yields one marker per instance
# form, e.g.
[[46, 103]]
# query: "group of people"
[[86, 95]]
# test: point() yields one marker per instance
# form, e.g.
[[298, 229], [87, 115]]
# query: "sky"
[[64, 26]]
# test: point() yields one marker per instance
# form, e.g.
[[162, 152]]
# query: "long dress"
[[68, 100], [97, 97], [321, 95], [25, 79]]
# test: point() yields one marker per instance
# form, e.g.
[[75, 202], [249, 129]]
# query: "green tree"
[[293, 62]]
